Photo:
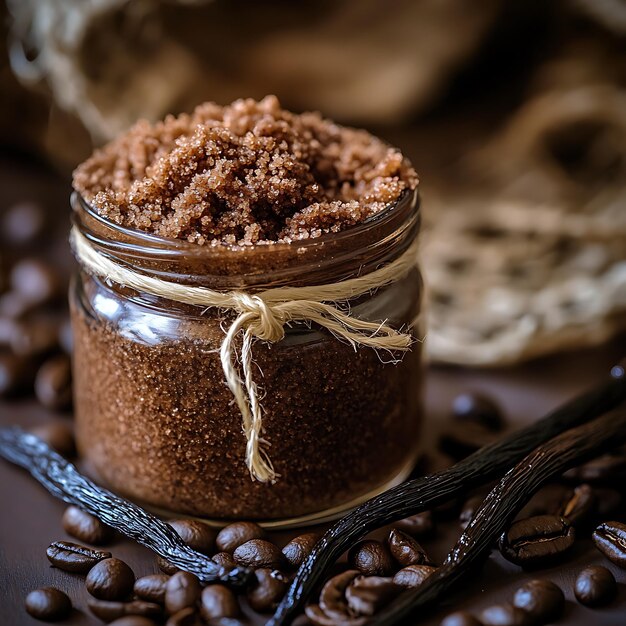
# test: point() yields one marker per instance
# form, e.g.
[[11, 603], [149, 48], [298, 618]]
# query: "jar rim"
[[386, 234]]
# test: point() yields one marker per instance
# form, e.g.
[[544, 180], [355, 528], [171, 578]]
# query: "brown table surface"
[[30, 517]]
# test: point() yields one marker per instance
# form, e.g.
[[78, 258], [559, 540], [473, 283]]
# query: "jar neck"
[[327, 259]]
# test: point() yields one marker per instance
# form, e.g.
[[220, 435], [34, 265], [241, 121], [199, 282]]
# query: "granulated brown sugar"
[[246, 173]]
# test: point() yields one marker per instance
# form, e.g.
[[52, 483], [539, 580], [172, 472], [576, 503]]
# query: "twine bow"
[[264, 316]]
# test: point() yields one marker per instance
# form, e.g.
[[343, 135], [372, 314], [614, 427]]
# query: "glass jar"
[[155, 419]]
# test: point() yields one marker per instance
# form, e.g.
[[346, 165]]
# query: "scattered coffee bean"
[[48, 604], [607, 469], [258, 553], [579, 506], [72, 557], [546, 501], [182, 590], [505, 615], [23, 223], [413, 575], [151, 587], [542, 599], [417, 525], [460, 618], [16, 374], [85, 527], [195, 534], [371, 558], [133, 620], [36, 280], [185, 617], [332, 603], [225, 559], [608, 501], [366, 595], [218, 601], [225, 621], [537, 540], [406, 550], [610, 539], [299, 548], [53, 383], [59, 435], [268, 591], [236, 534], [469, 508], [108, 610], [595, 586], [14, 306], [315, 615], [110, 579], [480, 408], [461, 439], [65, 336], [166, 567], [35, 338]]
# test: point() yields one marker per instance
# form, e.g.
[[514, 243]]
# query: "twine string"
[[264, 316]]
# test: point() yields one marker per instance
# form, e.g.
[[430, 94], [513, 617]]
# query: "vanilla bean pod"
[[427, 492], [504, 502], [64, 481]]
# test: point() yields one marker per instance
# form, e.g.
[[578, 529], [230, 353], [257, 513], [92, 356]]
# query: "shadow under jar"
[[155, 419]]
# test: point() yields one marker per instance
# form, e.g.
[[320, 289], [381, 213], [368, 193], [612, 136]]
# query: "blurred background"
[[513, 113]]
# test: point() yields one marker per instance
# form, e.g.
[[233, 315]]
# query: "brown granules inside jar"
[[242, 174]]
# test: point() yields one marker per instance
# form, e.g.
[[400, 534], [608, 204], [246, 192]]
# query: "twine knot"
[[263, 316]]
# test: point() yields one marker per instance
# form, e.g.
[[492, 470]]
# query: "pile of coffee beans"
[[35, 335]]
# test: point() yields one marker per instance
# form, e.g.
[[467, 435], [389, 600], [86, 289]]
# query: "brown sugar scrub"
[[246, 313]]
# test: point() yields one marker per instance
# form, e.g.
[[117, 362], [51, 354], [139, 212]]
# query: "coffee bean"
[[133, 620], [579, 506], [218, 601], [405, 550], [268, 591], [108, 610], [317, 616], [537, 540], [608, 501], [480, 408], [610, 539], [23, 223], [225, 559], [65, 336], [299, 548], [469, 508], [258, 553], [182, 590], [53, 383], [166, 567], [72, 557], [15, 306], [226, 621], [460, 618], [368, 594], [236, 534], [48, 604], [151, 587], [195, 534], [34, 339], [59, 435], [542, 599], [371, 558], [110, 579], [86, 527], [417, 525], [460, 439], [546, 501], [595, 586], [413, 575], [185, 617], [16, 374], [36, 280], [607, 469], [505, 615], [332, 601]]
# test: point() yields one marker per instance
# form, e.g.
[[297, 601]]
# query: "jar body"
[[156, 421]]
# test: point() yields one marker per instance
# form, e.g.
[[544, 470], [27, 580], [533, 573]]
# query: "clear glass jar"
[[156, 421]]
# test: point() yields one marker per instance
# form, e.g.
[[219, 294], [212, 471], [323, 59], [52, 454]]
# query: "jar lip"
[[144, 241]]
